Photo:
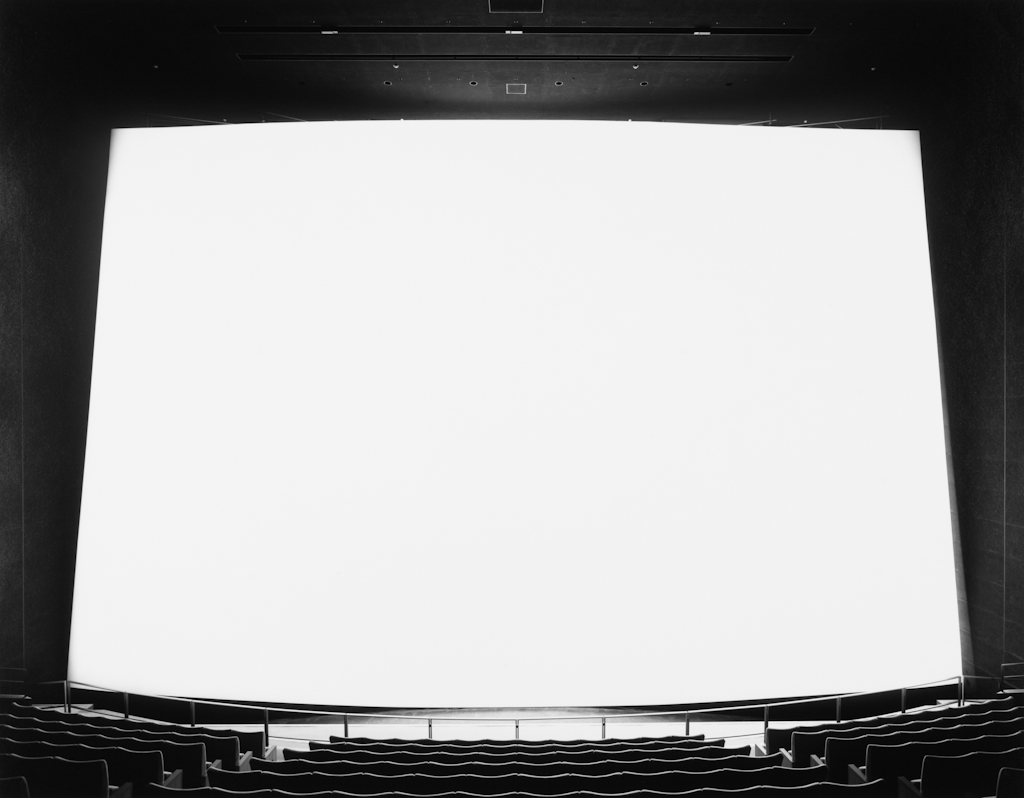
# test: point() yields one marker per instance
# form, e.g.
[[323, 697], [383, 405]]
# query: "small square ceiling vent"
[[516, 6], [515, 88]]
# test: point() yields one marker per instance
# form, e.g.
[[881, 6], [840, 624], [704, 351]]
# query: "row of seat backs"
[[677, 751], [296, 762], [253, 741], [647, 744], [875, 789], [806, 743], [55, 777], [225, 749], [123, 765], [907, 758], [415, 744], [974, 773], [842, 752], [562, 784], [189, 758], [776, 739]]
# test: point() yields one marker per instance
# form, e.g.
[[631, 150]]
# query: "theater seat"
[[777, 739], [56, 777], [14, 787], [138, 768], [1010, 783]]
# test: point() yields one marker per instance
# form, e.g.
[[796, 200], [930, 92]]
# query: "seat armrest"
[[906, 788], [816, 761], [124, 791], [174, 780], [854, 775], [243, 762], [271, 753], [216, 763], [787, 758], [759, 750]]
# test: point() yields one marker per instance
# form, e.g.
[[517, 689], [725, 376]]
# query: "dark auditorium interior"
[[72, 70]]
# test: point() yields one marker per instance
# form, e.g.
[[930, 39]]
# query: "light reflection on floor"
[[297, 736]]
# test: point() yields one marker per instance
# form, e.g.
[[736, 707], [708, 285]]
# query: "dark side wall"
[[53, 151], [973, 149], [58, 102]]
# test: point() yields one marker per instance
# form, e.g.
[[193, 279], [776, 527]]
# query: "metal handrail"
[[602, 716], [595, 716]]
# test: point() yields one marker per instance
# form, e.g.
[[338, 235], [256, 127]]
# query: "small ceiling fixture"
[[515, 88]]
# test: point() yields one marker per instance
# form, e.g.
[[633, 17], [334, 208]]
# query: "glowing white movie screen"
[[524, 413]]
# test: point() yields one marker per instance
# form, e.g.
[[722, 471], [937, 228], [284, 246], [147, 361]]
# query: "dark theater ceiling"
[[729, 61]]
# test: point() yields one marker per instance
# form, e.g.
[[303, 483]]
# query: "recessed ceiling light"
[[472, 83], [643, 82]]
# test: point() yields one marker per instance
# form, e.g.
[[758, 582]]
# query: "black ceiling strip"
[[272, 28], [548, 30], [482, 57]]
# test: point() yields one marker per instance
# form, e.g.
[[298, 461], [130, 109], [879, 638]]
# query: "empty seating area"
[[47, 752], [955, 751], [670, 766], [958, 750]]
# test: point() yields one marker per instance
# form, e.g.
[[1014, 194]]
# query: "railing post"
[[266, 727], [192, 712], [766, 727], [839, 709], [67, 697], [517, 728], [346, 725], [903, 699], [125, 704], [960, 690], [430, 728], [602, 728], [687, 716]]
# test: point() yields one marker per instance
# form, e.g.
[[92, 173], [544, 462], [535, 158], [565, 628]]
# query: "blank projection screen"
[[488, 413]]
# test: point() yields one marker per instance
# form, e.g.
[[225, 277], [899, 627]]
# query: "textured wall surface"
[[973, 145], [12, 224], [59, 97], [54, 174]]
